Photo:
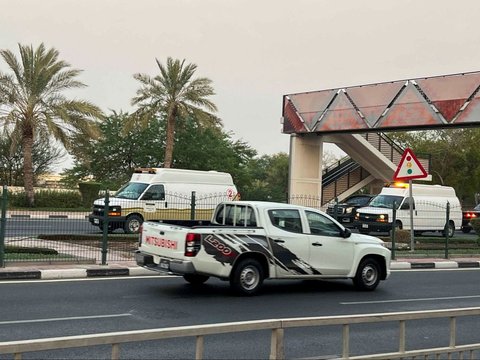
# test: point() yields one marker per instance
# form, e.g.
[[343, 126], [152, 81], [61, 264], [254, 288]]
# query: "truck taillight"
[[192, 244], [470, 215]]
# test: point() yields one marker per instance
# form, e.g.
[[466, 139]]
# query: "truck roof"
[[420, 190], [266, 204], [150, 175]]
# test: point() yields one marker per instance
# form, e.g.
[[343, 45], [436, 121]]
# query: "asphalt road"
[[39, 309], [32, 227]]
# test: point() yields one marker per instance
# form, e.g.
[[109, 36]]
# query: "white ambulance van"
[[429, 209], [166, 195]]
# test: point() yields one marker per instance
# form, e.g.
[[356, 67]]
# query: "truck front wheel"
[[247, 277], [195, 279], [368, 275], [132, 224]]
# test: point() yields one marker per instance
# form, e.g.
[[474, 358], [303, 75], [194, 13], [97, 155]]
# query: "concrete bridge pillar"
[[306, 157]]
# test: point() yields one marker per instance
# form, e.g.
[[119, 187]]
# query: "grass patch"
[[89, 237], [29, 250], [37, 257]]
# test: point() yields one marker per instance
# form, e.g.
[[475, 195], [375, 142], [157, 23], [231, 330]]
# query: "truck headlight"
[[115, 211], [382, 218], [349, 210]]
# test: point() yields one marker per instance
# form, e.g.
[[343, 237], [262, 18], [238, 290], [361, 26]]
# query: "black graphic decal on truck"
[[225, 248]]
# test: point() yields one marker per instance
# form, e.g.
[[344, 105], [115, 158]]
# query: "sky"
[[254, 51]]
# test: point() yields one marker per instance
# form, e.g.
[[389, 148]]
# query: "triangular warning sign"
[[409, 167]]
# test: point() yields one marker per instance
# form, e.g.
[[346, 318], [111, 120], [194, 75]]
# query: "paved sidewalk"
[[129, 268]]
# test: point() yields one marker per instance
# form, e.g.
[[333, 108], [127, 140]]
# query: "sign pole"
[[410, 200], [409, 168]]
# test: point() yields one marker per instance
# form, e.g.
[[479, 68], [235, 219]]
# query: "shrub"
[[476, 226], [29, 250], [402, 236], [89, 191], [48, 199]]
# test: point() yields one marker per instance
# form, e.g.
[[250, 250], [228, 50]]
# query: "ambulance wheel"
[[368, 275], [451, 230], [132, 224], [398, 226], [195, 279], [466, 230], [247, 277]]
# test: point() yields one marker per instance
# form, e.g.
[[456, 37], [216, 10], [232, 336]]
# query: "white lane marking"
[[410, 300], [42, 281], [62, 319]]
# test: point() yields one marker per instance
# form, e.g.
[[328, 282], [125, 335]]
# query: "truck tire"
[[451, 230], [466, 230], [368, 275], [195, 279], [247, 277], [132, 224]]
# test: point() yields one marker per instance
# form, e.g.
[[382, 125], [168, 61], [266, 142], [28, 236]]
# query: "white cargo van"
[[429, 209], [164, 194]]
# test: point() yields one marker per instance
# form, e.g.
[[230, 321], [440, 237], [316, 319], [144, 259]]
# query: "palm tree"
[[174, 94], [32, 104]]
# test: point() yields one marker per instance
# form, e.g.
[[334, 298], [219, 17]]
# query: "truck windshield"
[[131, 190], [385, 201]]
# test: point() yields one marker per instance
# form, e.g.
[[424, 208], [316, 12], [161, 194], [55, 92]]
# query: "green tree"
[[44, 156], [455, 157], [211, 148], [269, 178], [174, 94], [112, 157], [32, 103]]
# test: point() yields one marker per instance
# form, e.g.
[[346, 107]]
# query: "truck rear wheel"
[[368, 275], [466, 230], [195, 279], [451, 230], [247, 277]]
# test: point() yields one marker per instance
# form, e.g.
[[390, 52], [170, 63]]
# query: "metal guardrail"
[[277, 326]]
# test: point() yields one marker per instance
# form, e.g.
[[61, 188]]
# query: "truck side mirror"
[[345, 233]]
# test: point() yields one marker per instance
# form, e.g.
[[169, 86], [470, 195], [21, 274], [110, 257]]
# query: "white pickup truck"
[[249, 241]]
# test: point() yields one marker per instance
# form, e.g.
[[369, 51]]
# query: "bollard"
[[192, 206], [394, 220], [335, 209], [3, 223], [105, 229], [446, 229]]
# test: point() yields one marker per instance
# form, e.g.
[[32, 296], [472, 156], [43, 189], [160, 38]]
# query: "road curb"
[[76, 273], [406, 265], [50, 274]]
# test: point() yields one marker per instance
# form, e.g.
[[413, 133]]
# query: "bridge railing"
[[277, 327]]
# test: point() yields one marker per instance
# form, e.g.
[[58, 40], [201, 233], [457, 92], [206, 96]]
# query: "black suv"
[[346, 210]]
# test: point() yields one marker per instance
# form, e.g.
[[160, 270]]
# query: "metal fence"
[[105, 234]]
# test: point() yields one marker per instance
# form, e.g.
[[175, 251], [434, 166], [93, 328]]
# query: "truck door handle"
[[279, 241], [317, 244]]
